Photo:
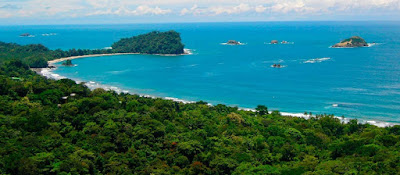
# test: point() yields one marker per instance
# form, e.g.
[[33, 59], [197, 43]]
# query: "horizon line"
[[194, 22]]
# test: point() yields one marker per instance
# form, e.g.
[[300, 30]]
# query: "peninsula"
[[151, 43], [354, 41], [39, 56]]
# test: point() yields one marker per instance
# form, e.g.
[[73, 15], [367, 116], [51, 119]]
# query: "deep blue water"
[[364, 82]]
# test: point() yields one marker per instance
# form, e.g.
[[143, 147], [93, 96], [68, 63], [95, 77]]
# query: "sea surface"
[[362, 83]]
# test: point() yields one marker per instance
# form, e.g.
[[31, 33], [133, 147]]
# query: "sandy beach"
[[48, 72], [86, 56], [186, 52]]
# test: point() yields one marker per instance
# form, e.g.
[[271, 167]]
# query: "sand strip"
[[87, 56]]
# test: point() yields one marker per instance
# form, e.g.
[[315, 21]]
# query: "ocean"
[[361, 83]]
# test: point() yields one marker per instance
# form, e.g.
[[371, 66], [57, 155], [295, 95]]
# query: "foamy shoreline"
[[51, 62], [47, 72], [87, 56], [369, 45]]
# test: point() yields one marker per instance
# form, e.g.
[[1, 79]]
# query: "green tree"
[[262, 110]]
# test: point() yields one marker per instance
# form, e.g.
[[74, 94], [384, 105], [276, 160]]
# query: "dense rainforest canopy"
[[37, 55], [60, 127], [151, 43]]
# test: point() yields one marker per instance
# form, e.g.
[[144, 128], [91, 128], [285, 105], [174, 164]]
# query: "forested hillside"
[[60, 127], [151, 43], [37, 55]]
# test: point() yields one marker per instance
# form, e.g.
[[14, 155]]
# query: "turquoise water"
[[363, 82]]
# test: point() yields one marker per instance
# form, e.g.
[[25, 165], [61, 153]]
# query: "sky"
[[28, 12]]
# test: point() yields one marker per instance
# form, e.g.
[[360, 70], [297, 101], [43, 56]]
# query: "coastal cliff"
[[354, 41]]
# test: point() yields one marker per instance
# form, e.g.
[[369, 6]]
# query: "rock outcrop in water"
[[25, 35], [67, 63], [354, 41], [233, 42]]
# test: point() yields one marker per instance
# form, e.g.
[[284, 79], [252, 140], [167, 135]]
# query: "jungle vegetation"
[[61, 127], [151, 43], [37, 55]]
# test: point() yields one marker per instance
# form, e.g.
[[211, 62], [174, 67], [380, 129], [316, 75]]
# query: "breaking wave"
[[47, 72], [240, 44], [317, 60]]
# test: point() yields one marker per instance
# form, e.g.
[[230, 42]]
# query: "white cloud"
[[192, 10], [260, 8], [298, 6], [144, 9], [230, 10], [216, 10], [140, 10], [4, 14], [184, 11], [270, 8]]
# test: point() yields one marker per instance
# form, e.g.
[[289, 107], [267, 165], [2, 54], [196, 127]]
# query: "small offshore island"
[[26, 35], [354, 41], [67, 63], [233, 42]]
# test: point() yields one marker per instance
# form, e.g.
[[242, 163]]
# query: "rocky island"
[[67, 63], [25, 35], [233, 42], [354, 41]]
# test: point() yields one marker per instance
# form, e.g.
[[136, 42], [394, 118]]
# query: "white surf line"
[[51, 62], [47, 72]]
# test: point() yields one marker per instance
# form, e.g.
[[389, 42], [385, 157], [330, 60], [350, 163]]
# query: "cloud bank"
[[55, 9]]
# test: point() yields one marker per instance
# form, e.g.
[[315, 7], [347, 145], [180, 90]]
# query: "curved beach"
[[87, 56], [186, 52], [93, 85]]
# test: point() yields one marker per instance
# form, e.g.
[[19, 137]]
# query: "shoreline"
[[369, 45], [51, 62], [48, 73]]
